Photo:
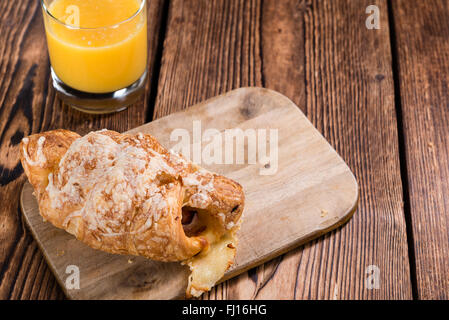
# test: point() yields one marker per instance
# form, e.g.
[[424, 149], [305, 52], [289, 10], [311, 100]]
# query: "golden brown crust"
[[125, 193], [45, 159]]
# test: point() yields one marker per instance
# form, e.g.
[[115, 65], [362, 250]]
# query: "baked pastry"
[[126, 194]]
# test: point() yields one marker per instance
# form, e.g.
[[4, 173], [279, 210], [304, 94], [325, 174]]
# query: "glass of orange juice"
[[98, 51]]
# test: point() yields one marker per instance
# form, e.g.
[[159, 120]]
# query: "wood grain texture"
[[350, 98], [311, 191], [28, 105], [422, 31], [320, 55]]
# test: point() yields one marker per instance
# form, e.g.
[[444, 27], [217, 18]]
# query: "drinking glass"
[[98, 52]]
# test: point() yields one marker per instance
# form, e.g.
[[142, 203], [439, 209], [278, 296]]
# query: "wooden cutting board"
[[312, 192]]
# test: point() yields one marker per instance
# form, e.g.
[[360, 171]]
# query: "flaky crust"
[[124, 193]]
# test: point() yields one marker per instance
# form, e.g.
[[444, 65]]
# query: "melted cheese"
[[209, 266]]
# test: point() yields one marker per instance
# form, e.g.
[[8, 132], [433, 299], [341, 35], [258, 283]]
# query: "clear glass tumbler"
[[98, 52]]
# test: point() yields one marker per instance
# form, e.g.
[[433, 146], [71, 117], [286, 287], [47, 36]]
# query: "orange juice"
[[97, 46]]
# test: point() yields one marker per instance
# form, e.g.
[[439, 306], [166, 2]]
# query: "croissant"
[[126, 194]]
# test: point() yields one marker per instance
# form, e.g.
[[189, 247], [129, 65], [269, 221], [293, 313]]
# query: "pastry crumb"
[[323, 213], [130, 261]]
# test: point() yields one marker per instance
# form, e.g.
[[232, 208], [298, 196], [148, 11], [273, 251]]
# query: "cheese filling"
[[209, 266]]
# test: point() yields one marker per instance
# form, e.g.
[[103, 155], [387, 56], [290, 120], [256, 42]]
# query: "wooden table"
[[380, 96]]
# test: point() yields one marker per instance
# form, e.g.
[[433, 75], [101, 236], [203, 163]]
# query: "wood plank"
[[320, 55], [422, 31], [28, 105], [311, 191]]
